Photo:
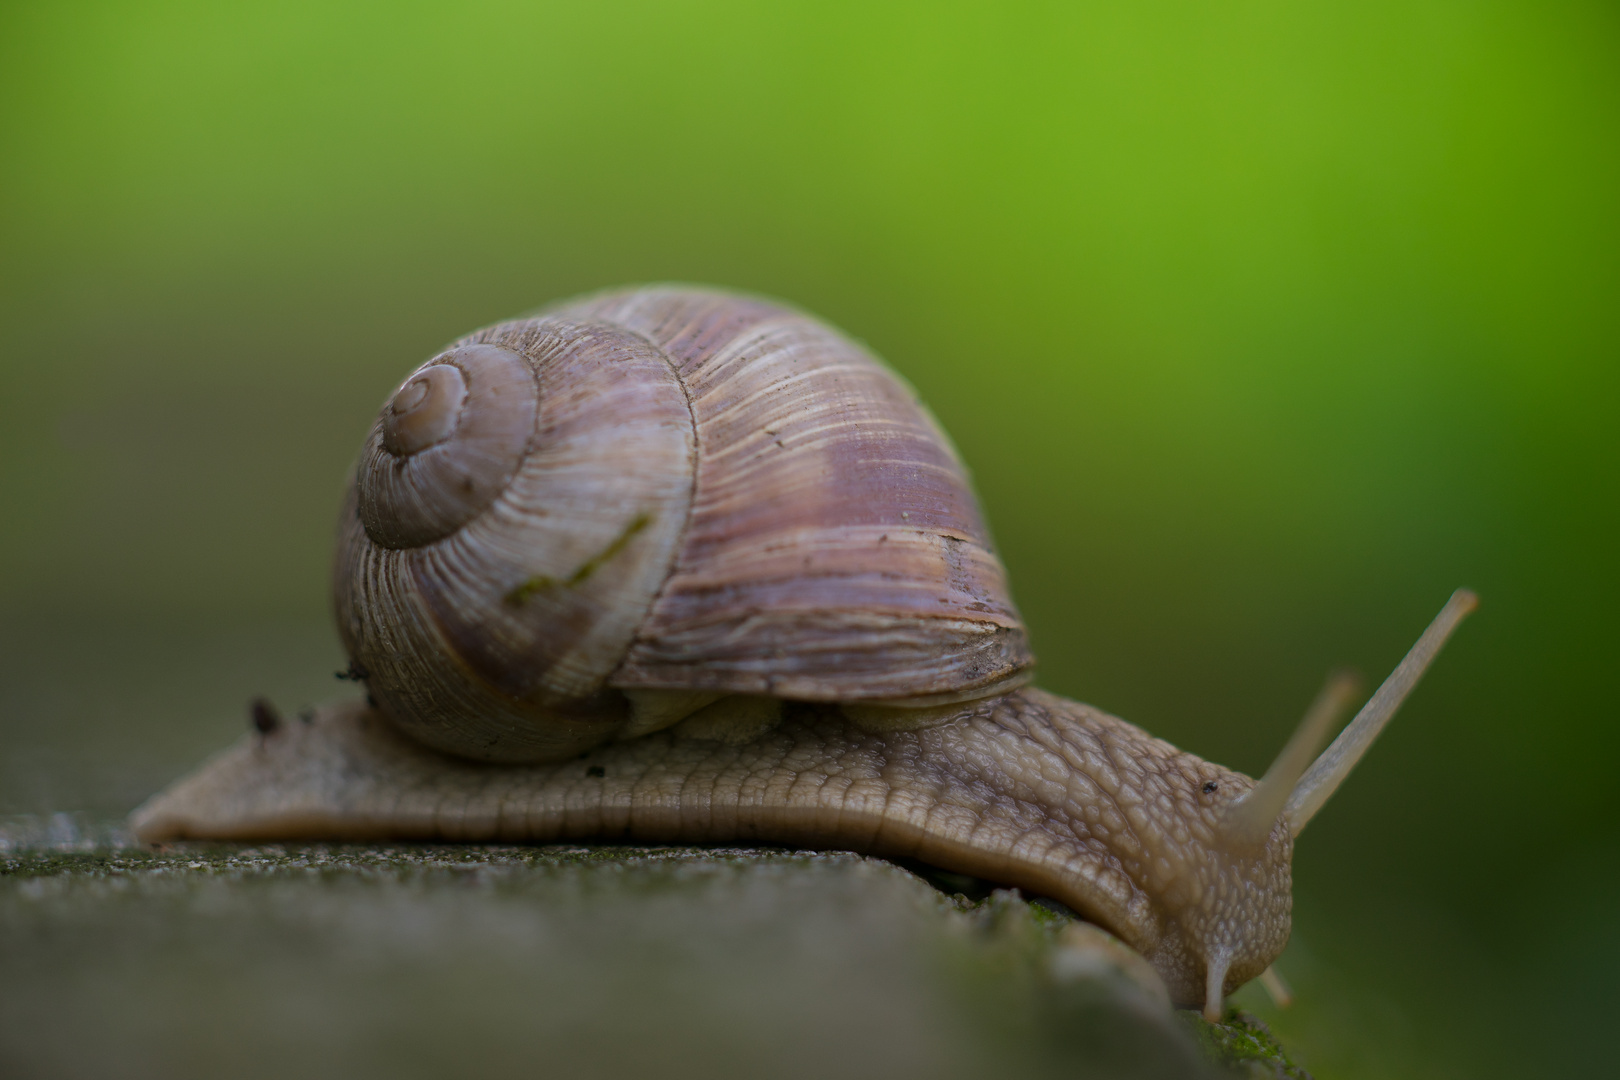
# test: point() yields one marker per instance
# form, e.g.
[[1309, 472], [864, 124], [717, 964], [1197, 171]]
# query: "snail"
[[677, 565]]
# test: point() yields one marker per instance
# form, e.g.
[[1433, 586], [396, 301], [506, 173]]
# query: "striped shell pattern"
[[641, 507]]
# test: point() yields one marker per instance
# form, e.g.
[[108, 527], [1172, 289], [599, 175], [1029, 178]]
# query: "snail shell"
[[596, 522]]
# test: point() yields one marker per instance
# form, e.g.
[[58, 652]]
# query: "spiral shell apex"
[[586, 524]]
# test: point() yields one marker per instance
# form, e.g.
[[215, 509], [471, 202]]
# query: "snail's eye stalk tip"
[[1328, 772]]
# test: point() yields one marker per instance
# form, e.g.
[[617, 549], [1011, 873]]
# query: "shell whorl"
[[660, 490], [446, 445], [836, 551], [494, 638]]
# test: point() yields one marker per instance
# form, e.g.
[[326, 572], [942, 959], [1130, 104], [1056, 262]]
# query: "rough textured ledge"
[[356, 960]]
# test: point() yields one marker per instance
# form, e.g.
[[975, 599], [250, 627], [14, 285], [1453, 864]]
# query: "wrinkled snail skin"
[[672, 564], [1028, 789]]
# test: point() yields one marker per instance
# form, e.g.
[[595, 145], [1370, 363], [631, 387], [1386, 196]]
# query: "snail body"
[[675, 565], [1027, 789]]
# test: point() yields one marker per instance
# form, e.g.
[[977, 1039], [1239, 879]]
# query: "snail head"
[[1230, 899]]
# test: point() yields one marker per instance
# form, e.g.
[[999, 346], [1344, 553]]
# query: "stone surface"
[[402, 961]]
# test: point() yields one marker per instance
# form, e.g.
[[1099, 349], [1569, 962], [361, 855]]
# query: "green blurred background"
[[1263, 325]]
